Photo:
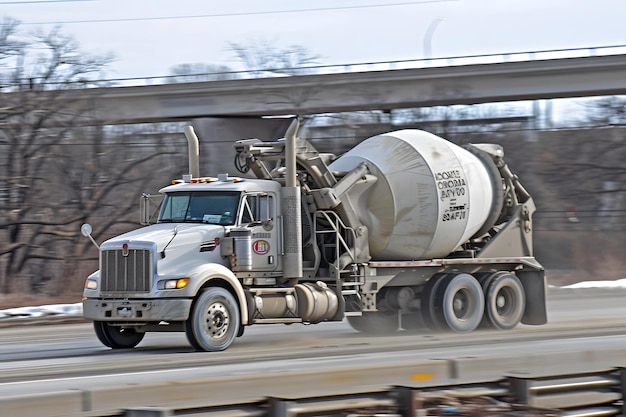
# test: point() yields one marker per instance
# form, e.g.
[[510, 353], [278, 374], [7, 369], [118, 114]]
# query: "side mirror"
[[144, 210], [86, 230], [148, 208]]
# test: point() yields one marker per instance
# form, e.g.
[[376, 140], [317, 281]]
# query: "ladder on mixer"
[[336, 236]]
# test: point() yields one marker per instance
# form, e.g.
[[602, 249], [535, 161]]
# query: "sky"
[[149, 37]]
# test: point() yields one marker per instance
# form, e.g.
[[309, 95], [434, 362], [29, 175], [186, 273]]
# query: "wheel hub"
[[217, 320], [500, 301], [460, 305]]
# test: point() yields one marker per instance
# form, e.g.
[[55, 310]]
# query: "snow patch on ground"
[[54, 310], [620, 283]]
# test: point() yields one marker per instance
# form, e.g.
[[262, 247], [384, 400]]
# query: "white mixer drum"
[[431, 195]]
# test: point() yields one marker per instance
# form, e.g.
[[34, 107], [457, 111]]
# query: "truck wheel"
[[504, 301], [428, 303], [484, 279], [459, 302], [214, 321], [375, 322], [117, 337]]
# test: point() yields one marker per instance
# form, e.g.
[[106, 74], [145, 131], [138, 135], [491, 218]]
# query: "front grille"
[[130, 273]]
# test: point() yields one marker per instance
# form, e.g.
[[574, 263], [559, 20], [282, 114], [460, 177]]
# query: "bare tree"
[[39, 68], [263, 57], [259, 58], [194, 72], [55, 174], [607, 111]]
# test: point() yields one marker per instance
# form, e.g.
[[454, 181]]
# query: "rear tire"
[[505, 301], [428, 303], [484, 279], [215, 320], [460, 302], [117, 337]]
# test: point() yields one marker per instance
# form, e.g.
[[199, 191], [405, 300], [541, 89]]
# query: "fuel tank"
[[431, 195]]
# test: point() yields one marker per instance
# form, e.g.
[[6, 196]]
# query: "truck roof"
[[222, 184]]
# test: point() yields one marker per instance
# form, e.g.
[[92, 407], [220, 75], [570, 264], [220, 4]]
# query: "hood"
[[176, 244]]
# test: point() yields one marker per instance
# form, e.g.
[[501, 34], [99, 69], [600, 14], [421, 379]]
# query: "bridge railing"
[[353, 67], [378, 65]]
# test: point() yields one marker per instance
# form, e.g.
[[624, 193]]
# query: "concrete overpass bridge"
[[371, 90]]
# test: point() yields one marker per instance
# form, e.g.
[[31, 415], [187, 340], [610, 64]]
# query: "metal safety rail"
[[594, 394]]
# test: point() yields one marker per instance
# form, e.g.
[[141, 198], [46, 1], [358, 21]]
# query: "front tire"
[[214, 322], [117, 337]]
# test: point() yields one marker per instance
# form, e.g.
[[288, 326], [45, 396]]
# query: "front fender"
[[204, 274]]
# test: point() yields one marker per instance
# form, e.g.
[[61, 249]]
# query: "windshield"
[[200, 207]]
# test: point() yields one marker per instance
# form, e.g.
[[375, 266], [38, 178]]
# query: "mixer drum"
[[431, 195]]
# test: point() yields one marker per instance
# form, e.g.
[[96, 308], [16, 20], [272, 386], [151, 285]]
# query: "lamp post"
[[428, 37]]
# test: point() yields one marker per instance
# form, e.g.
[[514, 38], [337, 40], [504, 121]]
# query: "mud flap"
[[534, 284]]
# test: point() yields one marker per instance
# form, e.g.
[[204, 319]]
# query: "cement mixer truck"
[[406, 231]]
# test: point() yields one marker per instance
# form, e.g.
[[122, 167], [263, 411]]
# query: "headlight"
[[174, 284], [91, 284]]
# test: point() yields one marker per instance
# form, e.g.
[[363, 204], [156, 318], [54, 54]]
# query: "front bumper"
[[176, 309]]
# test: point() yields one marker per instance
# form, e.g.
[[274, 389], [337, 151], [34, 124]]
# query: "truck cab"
[[226, 228], [243, 208]]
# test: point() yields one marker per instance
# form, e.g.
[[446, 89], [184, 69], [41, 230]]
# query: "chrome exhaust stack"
[[291, 209]]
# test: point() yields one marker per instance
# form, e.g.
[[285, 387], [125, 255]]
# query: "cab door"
[[258, 213]]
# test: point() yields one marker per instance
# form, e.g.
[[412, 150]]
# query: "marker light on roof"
[[203, 180], [206, 180]]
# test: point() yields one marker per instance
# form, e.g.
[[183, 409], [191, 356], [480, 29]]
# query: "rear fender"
[[534, 284]]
